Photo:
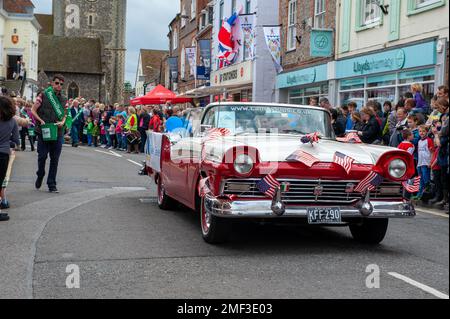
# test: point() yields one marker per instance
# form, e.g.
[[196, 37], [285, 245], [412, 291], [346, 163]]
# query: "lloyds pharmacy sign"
[[380, 65], [417, 55]]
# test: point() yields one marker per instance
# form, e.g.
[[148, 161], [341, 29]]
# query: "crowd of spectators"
[[413, 125]]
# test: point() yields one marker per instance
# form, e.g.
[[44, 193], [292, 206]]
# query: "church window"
[[73, 91], [91, 20]]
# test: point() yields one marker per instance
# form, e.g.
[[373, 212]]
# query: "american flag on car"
[[343, 160], [204, 187], [303, 157], [413, 185], [371, 182], [268, 186]]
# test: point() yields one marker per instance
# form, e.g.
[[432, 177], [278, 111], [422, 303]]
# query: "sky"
[[147, 27]]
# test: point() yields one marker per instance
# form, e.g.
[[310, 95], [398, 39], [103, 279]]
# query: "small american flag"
[[212, 135], [343, 160], [311, 138], [215, 133], [413, 185], [304, 157], [268, 185], [203, 187], [350, 138], [371, 182]]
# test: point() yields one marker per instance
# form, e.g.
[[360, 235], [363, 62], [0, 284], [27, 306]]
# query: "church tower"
[[105, 19]]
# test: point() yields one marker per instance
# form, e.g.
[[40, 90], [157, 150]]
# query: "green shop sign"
[[321, 43], [302, 77], [379, 65], [391, 60]]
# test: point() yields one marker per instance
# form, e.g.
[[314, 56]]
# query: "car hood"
[[276, 148]]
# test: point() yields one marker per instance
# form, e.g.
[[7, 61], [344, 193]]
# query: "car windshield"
[[256, 119]]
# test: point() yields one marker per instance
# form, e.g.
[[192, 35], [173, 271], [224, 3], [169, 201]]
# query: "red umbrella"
[[160, 95]]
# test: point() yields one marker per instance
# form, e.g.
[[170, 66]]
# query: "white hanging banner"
[[248, 31], [273, 41], [191, 54]]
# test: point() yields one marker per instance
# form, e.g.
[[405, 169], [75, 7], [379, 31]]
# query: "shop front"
[[388, 75], [300, 86], [235, 83]]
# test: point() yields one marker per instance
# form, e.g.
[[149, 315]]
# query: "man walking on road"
[[49, 109]]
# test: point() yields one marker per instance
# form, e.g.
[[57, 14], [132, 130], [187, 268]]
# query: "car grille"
[[303, 191]]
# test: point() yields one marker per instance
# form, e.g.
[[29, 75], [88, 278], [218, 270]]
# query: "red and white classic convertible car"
[[263, 161]]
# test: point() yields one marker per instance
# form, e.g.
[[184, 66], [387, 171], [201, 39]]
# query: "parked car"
[[222, 176]]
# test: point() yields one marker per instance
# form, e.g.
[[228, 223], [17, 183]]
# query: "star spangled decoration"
[[303, 157], [412, 186], [370, 183], [268, 186], [344, 161], [311, 138]]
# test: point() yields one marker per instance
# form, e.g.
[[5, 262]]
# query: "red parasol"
[[160, 95]]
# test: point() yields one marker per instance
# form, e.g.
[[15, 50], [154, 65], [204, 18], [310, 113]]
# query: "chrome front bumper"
[[262, 209]]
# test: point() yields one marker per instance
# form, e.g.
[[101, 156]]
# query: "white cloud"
[[147, 27]]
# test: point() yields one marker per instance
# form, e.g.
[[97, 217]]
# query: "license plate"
[[324, 216]]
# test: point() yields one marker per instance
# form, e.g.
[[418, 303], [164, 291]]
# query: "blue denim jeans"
[[425, 177], [108, 137], [75, 134], [46, 149], [89, 138]]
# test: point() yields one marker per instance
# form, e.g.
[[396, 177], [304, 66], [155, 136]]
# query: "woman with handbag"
[[131, 128]]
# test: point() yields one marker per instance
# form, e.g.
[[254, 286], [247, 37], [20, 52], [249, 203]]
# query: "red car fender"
[[382, 166]]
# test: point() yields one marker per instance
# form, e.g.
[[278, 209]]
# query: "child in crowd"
[[102, 132], [89, 130], [120, 122], [112, 133], [413, 127], [421, 104], [425, 151], [95, 133], [407, 144]]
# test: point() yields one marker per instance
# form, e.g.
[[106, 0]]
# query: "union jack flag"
[[343, 160], [203, 187], [371, 182], [311, 138], [303, 157], [413, 185], [350, 138], [268, 185], [227, 54]]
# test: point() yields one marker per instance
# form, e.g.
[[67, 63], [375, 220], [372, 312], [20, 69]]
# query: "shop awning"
[[213, 90], [160, 95]]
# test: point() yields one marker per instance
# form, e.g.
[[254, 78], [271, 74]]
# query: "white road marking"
[[115, 154], [135, 163], [129, 189], [107, 153], [432, 213], [425, 288]]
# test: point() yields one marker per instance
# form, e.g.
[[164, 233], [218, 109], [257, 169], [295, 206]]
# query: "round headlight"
[[397, 168], [243, 164]]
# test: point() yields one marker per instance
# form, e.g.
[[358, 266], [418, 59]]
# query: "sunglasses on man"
[[59, 83]]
